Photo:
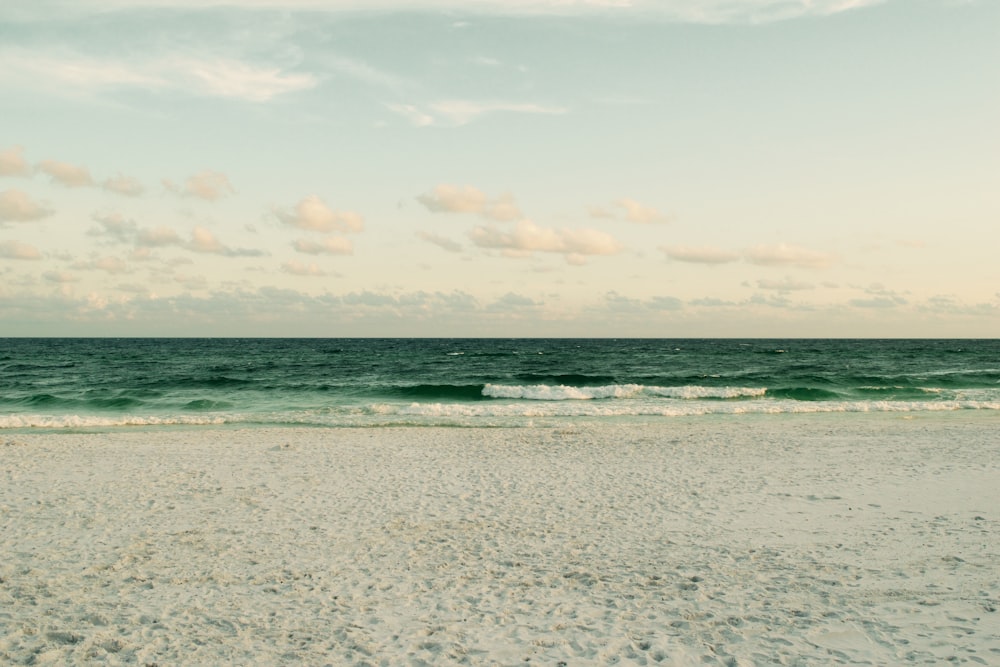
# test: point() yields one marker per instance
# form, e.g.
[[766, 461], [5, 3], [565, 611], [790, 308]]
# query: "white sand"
[[801, 540]]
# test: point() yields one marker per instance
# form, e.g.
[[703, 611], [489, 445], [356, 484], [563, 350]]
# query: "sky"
[[568, 168]]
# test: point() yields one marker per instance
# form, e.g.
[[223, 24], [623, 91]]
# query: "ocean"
[[107, 384]]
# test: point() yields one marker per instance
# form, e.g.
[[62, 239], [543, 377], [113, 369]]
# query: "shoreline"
[[731, 540]]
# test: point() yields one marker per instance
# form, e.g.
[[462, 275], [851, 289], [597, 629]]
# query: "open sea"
[[104, 384]]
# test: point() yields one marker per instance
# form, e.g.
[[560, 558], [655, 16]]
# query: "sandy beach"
[[746, 540]]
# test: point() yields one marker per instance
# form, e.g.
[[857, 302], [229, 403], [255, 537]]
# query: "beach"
[[729, 540]]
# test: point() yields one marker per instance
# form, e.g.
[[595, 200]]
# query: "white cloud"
[[236, 79], [460, 112], [527, 237], [687, 11], [300, 269], [416, 117], [312, 214], [208, 185], [783, 254], [700, 255], [697, 11], [601, 213], [636, 212], [330, 245], [453, 199], [123, 185], [65, 72], [446, 198], [202, 240], [18, 250], [627, 209], [12, 162], [17, 206], [64, 173], [440, 241]]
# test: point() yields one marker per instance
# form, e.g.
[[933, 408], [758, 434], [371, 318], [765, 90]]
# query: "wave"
[[542, 392], [803, 393], [52, 402], [483, 413], [457, 392]]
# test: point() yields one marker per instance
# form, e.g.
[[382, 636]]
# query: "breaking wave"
[[542, 392]]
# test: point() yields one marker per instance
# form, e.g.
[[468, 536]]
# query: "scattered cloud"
[[330, 245], [416, 117], [17, 206], [454, 113], [300, 269], [12, 162], [195, 282], [600, 212], [700, 255], [208, 185], [206, 76], [636, 212], [461, 112], [64, 173], [440, 241], [527, 237], [682, 11], [786, 285], [18, 250], [879, 302], [115, 225], [621, 304], [158, 237], [666, 303], [204, 241], [366, 73], [712, 302], [788, 255], [123, 185], [446, 198], [453, 199], [627, 209], [312, 214], [233, 79], [59, 277], [108, 264], [512, 302]]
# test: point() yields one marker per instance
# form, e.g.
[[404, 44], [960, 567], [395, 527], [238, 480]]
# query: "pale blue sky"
[[525, 168]]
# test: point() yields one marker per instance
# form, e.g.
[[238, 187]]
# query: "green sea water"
[[111, 383]]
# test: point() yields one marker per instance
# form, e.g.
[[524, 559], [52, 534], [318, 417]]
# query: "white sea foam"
[[542, 392], [95, 421], [491, 412]]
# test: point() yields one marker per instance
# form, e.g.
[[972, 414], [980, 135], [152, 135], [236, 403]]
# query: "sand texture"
[[796, 540]]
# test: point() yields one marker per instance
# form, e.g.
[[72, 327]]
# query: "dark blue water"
[[103, 383]]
